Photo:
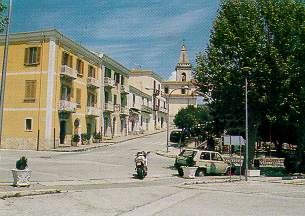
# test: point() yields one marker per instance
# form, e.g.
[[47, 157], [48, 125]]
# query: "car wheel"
[[180, 171], [200, 172], [230, 171]]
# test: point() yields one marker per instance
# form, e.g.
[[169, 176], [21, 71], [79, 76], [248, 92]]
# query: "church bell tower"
[[184, 67]]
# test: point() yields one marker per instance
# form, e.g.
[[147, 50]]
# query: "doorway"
[[62, 132]]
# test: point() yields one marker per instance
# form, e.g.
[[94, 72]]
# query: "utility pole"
[[4, 68]]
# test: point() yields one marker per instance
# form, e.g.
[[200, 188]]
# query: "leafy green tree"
[[263, 40], [3, 17], [193, 119]]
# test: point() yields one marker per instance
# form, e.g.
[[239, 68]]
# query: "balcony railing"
[[109, 107], [93, 111], [67, 106], [124, 89], [108, 82], [124, 111], [163, 109], [68, 72], [93, 82], [117, 107], [146, 109]]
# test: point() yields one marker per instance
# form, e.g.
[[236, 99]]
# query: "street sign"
[[233, 140]]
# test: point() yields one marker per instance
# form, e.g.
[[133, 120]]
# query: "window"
[[114, 99], [28, 124], [91, 100], [107, 72], [133, 100], [122, 80], [30, 91], [32, 56], [78, 97], [80, 67], [91, 71], [183, 78], [106, 97], [216, 157], [67, 59], [205, 156], [117, 78], [183, 91], [66, 93], [166, 90]]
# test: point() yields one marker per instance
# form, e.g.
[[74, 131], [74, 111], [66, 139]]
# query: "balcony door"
[[62, 132]]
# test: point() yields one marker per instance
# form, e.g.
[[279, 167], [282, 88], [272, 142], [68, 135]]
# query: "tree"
[[3, 18], [263, 40], [193, 119]]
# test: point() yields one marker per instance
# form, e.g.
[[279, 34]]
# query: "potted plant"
[[22, 173], [97, 137], [75, 140], [189, 170], [84, 138]]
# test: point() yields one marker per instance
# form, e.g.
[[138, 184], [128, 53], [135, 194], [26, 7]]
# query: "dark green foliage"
[[265, 41], [97, 136], [22, 163], [190, 162], [75, 138]]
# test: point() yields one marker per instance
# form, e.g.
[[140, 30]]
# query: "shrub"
[[22, 163], [75, 138], [97, 136], [190, 161]]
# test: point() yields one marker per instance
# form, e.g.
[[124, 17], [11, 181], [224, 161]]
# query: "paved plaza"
[[101, 182]]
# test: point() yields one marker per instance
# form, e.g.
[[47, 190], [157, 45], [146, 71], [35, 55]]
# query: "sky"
[[143, 34]]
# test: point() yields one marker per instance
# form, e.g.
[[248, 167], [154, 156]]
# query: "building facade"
[[52, 91], [180, 92], [150, 83]]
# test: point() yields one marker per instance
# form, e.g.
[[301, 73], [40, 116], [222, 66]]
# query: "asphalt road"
[[101, 182]]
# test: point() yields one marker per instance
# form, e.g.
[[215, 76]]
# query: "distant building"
[[174, 89]]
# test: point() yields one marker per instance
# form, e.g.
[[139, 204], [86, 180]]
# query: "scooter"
[[141, 164]]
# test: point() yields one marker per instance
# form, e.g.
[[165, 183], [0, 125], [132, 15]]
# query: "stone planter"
[[74, 143], [189, 172], [21, 177], [254, 173]]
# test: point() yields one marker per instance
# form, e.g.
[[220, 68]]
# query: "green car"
[[207, 162]]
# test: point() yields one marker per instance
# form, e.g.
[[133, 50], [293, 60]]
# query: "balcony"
[[93, 111], [146, 109], [93, 82], [163, 109], [117, 107], [109, 107], [124, 89], [108, 82], [68, 72], [124, 111], [67, 106]]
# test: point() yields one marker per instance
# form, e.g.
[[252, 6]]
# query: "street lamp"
[[4, 68], [167, 101], [246, 70]]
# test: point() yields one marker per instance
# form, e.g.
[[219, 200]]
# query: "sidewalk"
[[104, 143], [171, 153]]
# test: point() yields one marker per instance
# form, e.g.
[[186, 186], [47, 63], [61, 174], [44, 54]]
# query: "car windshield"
[[187, 153]]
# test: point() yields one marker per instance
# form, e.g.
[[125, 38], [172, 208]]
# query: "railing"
[[69, 72], [117, 107], [264, 162], [124, 111], [124, 89], [67, 106], [146, 108], [93, 111], [93, 82], [108, 81], [109, 107]]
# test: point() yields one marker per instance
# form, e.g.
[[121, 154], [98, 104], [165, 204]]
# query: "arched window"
[[183, 77]]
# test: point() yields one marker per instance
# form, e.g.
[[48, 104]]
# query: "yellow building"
[[53, 90]]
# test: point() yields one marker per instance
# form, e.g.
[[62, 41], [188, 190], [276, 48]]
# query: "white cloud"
[[172, 76], [141, 23]]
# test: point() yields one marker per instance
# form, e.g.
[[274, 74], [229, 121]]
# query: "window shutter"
[[38, 55], [70, 61], [26, 56], [63, 58], [30, 91], [78, 97]]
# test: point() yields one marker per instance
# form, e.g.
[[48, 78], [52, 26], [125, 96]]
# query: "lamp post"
[[246, 70], [167, 101], [4, 68]]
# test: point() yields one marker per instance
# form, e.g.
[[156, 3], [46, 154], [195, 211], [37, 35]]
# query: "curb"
[[210, 182], [12, 194], [292, 177], [103, 144], [165, 154]]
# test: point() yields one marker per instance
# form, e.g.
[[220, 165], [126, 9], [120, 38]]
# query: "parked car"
[[207, 162], [176, 135]]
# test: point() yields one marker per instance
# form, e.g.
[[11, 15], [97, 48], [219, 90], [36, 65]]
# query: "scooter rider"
[[142, 156]]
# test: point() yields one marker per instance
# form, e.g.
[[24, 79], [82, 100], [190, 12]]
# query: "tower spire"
[[184, 59]]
